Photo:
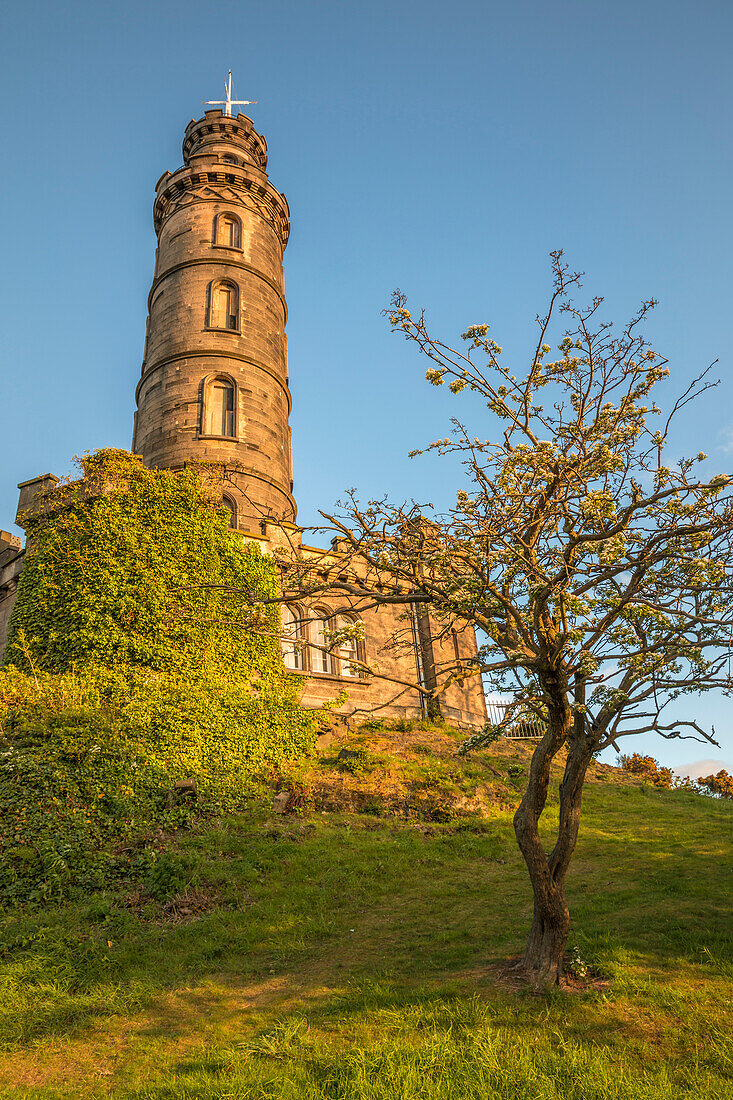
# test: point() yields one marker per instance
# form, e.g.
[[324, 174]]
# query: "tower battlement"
[[215, 127]]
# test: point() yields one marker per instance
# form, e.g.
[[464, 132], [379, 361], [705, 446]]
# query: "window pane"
[[224, 307], [320, 657], [228, 418], [218, 307], [292, 655], [220, 409], [348, 651], [231, 508], [231, 309], [219, 398]]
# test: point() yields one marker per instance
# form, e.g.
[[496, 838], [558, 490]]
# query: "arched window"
[[227, 158], [320, 658], [292, 632], [231, 507], [228, 231], [351, 649], [219, 408], [224, 306]]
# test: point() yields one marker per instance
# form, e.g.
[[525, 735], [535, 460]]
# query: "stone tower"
[[214, 384], [214, 389]]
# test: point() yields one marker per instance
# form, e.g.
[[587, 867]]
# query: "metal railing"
[[518, 729]]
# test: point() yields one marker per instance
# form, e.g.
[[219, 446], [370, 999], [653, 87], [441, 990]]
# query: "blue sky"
[[442, 148]]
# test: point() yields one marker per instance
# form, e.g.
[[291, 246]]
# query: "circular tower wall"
[[214, 383]]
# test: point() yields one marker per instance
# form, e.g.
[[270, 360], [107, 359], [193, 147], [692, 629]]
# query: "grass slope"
[[357, 955]]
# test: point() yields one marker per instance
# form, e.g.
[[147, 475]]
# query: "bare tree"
[[598, 578]]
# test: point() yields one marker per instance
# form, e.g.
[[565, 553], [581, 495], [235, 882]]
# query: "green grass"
[[355, 956]]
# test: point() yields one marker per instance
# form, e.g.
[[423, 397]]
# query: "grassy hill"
[[357, 949]]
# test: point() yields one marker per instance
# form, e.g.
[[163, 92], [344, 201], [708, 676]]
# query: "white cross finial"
[[228, 103]]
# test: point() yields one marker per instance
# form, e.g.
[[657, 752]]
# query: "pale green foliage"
[[597, 577], [588, 564]]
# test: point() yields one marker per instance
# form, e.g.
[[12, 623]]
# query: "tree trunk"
[[545, 948]]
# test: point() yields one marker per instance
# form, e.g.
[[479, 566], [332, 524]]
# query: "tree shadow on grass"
[[449, 911]]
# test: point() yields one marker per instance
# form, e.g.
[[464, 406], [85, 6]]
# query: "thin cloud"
[[701, 767], [727, 441]]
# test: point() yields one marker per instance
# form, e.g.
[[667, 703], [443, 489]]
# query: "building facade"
[[214, 388], [11, 563], [214, 393]]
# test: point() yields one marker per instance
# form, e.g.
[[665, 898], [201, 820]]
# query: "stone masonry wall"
[[185, 352], [11, 564]]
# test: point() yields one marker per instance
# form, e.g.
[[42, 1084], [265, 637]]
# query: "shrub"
[[358, 762], [124, 673], [170, 874], [486, 736], [648, 768], [720, 784]]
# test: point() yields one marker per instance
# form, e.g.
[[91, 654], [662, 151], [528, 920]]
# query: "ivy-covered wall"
[[125, 672], [114, 573]]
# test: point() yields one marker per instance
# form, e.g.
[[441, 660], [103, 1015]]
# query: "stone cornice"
[[237, 467], [222, 261], [231, 185], [212, 353]]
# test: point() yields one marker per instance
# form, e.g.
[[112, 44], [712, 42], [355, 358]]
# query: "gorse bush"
[[123, 674], [646, 767], [720, 784]]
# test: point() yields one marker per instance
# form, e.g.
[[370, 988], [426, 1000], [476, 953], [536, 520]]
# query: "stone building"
[[11, 563], [214, 390]]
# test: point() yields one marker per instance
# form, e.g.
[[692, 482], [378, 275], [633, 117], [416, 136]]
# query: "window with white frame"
[[320, 657], [348, 651], [292, 632]]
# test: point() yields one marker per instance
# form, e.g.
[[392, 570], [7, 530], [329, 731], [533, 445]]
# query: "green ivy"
[[125, 672], [113, 574]]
